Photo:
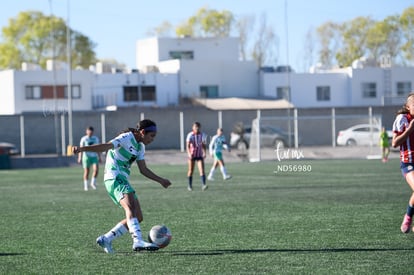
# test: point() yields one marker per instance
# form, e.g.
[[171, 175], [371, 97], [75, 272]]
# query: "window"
[[130, 93], [403, 88], [283, 93], [181, 54], [51, 92], [148, 93], [323, 93], [139, 93], [369, 90], [76, 91], [33, 92], [209, 91]]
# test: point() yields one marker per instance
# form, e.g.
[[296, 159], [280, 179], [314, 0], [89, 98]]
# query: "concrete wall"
[[7, 95], [153, 50], [41, 137], [303, 88], [233, 78]]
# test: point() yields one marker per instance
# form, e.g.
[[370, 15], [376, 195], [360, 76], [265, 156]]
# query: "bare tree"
[[309, 49], [244, 27], [165, 29], [266, 44], [329, 40]]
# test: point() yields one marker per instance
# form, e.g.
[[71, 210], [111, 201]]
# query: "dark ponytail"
[[404, 109]]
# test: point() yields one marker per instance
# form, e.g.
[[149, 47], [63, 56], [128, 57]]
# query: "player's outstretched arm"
[[93, 148], [142, 166]]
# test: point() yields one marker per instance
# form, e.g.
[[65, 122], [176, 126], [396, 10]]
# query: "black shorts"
[[196, 158]]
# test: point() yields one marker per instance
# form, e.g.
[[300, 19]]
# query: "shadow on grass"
[[266, 250], [11, 254]]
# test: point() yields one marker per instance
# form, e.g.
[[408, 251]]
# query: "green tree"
[[34, 37], [207, 23], [329, 39], [354, 34], [383, 39], [163, 30], [407, 27]]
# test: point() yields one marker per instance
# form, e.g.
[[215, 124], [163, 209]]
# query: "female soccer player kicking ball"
[[125, 149], [403, 136]]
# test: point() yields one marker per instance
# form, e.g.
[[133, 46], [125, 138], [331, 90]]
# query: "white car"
[[361, 134]]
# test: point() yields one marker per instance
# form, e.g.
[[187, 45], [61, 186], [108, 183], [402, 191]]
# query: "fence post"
[[103, 127], [295, 125], [259, 130], [220, 119], [63, 135], [371, 134], [181, 132], [22, 144], [333, 123]]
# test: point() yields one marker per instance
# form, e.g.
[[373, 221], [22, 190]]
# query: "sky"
[[115, 26]]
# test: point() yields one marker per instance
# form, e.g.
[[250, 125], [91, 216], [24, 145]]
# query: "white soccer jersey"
[[217, 144], [87, 141], [125, 152]]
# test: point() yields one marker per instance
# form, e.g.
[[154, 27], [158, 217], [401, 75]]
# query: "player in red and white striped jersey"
[[196, 151], [403, 136]]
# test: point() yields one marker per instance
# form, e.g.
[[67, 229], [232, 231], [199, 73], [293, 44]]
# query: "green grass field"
[[342, 217]]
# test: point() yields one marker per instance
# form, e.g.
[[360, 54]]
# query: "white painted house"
[[170, 69], [369, 86], [43, 91], [206, 67]]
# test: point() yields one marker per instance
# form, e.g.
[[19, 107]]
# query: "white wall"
[[303, 88], [153, 50], [366, 75], [234, 79], [147, 52], [110, 88], [107, 88], [167, 89], [23, 79], [7, 95]]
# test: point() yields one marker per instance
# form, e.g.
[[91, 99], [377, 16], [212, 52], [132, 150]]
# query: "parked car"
[[8, 149], [270, 137], [361, 134]]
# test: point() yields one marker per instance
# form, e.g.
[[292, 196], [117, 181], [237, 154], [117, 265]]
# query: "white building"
[[206, 67], [369, 86], [43, 91], [170, 69]]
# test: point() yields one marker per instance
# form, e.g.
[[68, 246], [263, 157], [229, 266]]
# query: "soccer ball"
[[160, 235]]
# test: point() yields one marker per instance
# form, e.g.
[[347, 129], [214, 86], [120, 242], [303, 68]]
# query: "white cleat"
[[103, 242], [210, 178], [227, 177], [204, 187], [142, 245], [93, 186]]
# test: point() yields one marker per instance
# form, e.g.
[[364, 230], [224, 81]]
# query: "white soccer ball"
[[160, 235]]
